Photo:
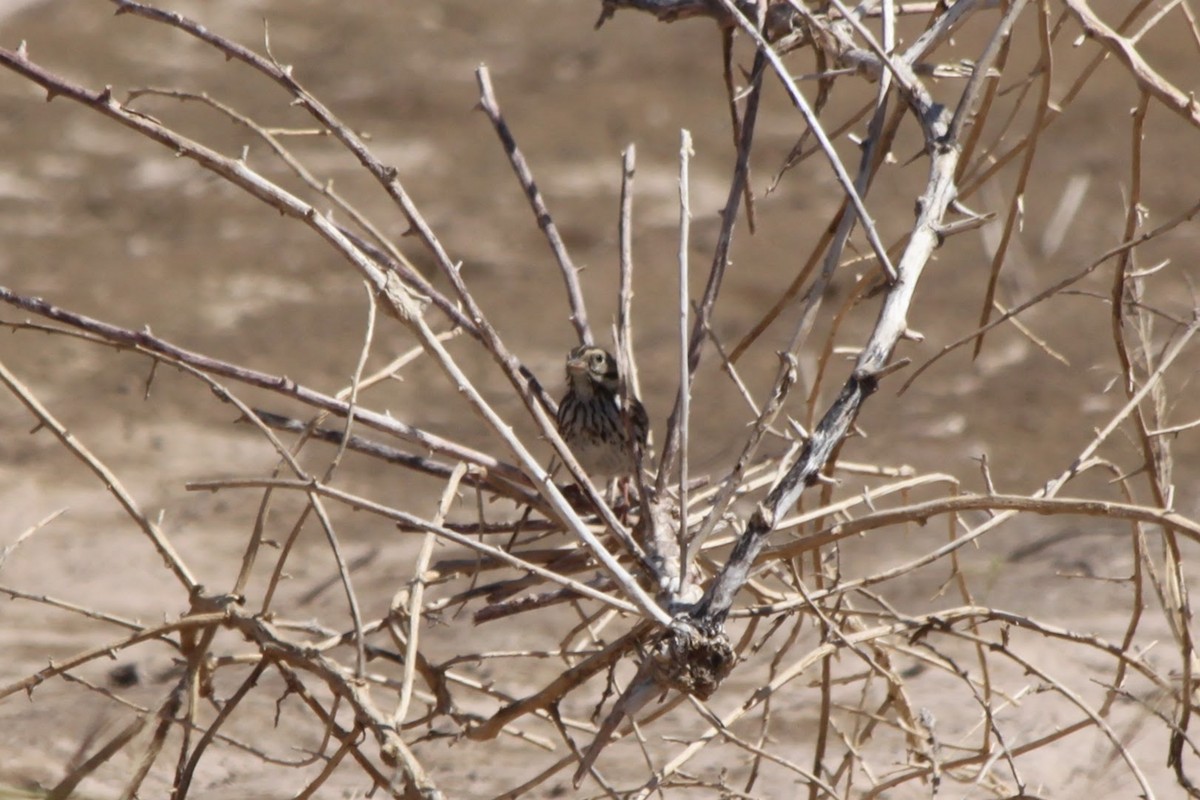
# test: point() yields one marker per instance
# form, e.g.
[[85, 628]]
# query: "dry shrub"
[[778, 639]]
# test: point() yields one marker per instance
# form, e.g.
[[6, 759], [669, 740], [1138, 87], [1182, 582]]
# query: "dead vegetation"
[[662, 594]]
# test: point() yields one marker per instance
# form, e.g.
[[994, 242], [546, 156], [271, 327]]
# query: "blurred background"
[[97, 219]]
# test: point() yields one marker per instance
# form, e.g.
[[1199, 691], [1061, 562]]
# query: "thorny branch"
[[548, 551]]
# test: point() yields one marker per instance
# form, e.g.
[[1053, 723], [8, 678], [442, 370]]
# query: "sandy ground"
[[103, 222]]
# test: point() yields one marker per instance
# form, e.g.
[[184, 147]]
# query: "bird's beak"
[[576, 366]]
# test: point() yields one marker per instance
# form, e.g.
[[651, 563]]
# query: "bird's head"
[[589, 366]]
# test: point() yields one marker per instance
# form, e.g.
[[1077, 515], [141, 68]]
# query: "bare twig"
[[720, 264], [487, 102], [111, 482], [416, 596], [1150, 81], [685, 225], [797, 97], [624, 337]]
